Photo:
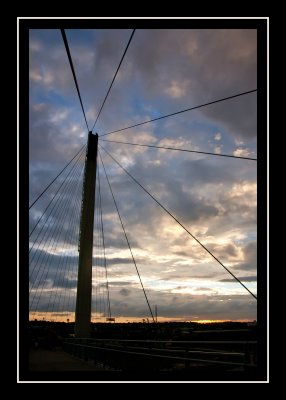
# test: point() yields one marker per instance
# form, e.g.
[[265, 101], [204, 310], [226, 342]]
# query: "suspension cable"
[[173, 148]]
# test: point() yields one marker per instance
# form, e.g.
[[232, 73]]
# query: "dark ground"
[[57, 360]]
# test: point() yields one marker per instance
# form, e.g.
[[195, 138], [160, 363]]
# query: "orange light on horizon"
[[70, 317], [210, 321]]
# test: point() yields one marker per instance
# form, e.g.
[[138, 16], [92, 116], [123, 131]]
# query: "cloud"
[[227, 251], [241, 152], [212, 66], [116, 261], [190, 307], [250, 258], [120, 283], [177, 89], [217, 149], [251, 278], [125, 292], [217, 136], [42, 77]]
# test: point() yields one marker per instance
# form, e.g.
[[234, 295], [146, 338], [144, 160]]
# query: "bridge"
[[69, 278]]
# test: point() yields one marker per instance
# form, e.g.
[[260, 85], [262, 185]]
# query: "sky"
[[164, 71]]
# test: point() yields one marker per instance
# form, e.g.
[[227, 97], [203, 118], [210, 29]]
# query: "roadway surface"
[[57, 360]]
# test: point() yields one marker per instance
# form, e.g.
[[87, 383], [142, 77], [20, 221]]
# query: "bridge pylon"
[[84, 283]]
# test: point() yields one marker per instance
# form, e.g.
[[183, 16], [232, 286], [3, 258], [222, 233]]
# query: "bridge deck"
[[57, 360]]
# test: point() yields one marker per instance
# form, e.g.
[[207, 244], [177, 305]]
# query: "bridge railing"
[[165, 354]]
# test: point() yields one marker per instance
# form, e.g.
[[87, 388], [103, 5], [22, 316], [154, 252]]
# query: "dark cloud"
[[250, 258], [125, 292], [187, 306], [120, 283], [206, 67], [225, 252], [181, 253], [251, 278], [116, 261]]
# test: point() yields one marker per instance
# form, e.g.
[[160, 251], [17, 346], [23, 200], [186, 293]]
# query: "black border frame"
[[261, 25]]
